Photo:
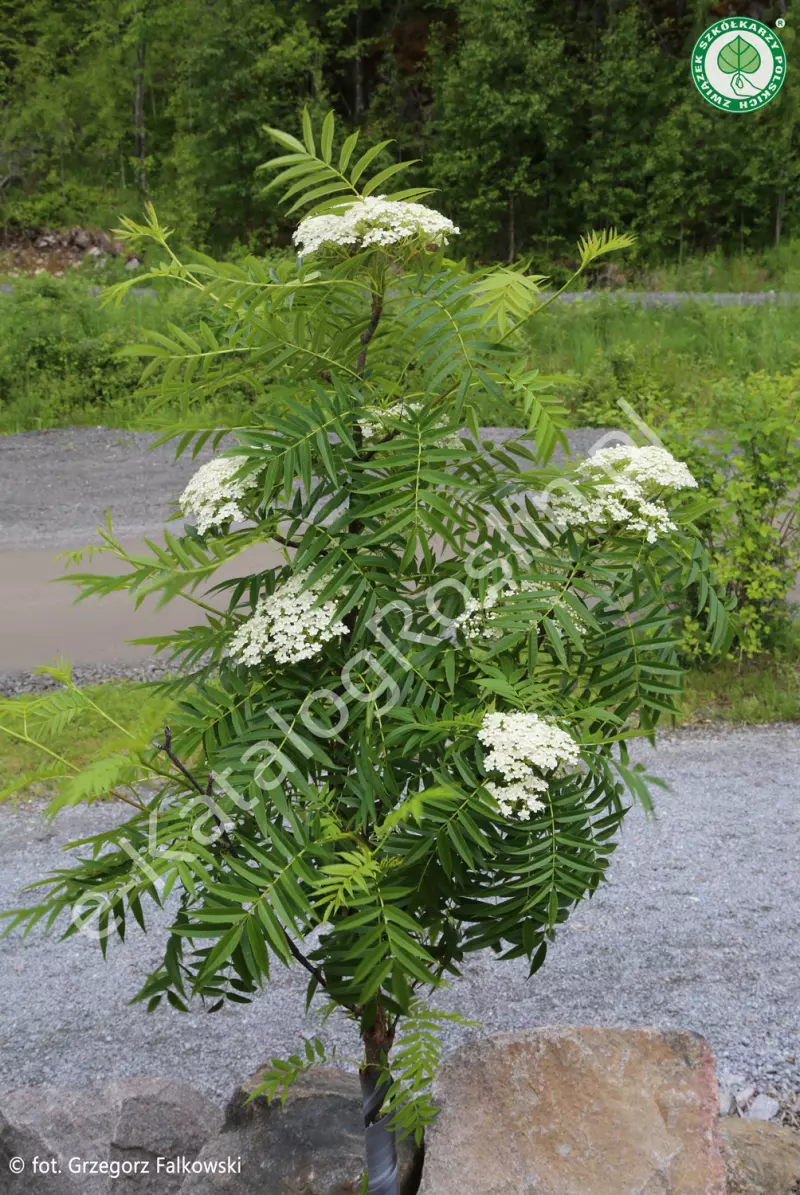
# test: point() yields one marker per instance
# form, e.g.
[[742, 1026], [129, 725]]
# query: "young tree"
[[409, 739]]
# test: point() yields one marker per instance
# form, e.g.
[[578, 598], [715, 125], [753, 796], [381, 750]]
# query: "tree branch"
[[369, 331], [208, 791], [312, 970]]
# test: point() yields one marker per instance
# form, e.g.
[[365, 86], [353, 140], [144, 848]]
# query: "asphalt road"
[[55, 489]]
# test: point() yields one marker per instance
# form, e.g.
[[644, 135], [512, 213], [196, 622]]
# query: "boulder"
[[314, 1145], [124, 1126], [573, 1111], [762, 1159], [52, 1123]]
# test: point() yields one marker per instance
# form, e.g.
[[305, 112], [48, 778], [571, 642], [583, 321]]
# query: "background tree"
[[535, 124]]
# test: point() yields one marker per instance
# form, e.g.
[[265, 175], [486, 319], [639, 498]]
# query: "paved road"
[[676, 298], [55, 488], [648, 298], [699, 928]]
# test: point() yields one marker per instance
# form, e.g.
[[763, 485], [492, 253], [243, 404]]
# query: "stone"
[[762, 1159], [119, 1123], [573, 1111], [50, 1122], [726, 1103], [314, 1145], [763, 1107]]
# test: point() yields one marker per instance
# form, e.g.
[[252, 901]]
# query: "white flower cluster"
[[288, 625], [374, 428], [374, 221], [213, 494], [519, 799], [629, 495], [521, 746], [476, 618]]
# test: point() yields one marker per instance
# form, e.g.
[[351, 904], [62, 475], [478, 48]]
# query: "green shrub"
[[751, 467], [411, 735], [71, 203], [60, 360]]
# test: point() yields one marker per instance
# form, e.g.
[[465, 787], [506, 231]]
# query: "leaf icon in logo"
[[739, 58]]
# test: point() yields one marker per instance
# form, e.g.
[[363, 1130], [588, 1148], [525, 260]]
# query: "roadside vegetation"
[[60, 362]]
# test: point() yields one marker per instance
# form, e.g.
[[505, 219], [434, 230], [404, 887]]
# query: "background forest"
[[537, 118]]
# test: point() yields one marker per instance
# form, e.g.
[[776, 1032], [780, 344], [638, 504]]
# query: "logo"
[[738, 64]]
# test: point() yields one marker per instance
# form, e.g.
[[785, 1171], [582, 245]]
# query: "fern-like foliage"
[[333, 812], [315, 178]]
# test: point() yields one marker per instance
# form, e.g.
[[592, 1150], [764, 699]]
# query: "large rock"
[[577, 1112], [762, 1159], [116, 1125], [314, 1145]]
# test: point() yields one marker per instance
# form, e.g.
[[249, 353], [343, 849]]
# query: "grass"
[[751, 693], [774, 268], [659, 360], [59, 353], [59, 362], [777, 268], [87, 735], [748, 693]]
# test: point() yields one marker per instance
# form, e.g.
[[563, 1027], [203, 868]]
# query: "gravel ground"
[[649, 298], [56, 485], [697, 929], [14, 684]]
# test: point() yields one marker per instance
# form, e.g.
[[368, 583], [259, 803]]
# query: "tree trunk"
[[359, 67], [779, 215], [138, 119], [512, 230], [379, 1141]]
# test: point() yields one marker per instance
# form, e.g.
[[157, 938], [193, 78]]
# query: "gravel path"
[[697, 929], [648, 298]]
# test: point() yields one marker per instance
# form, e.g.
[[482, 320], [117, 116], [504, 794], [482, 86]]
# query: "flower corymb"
[[651, 466], [374, 221], [521, 746], [288, 625], [212, 496], [628, 482]]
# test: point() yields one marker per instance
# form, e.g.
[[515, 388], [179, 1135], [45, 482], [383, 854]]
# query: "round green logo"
[[738, 64]]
